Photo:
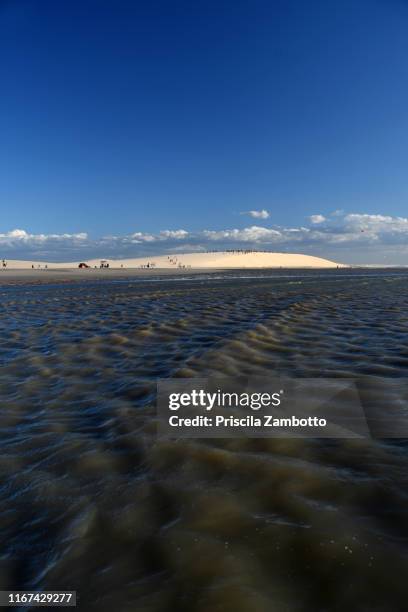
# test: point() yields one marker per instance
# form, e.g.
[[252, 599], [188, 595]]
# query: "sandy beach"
[[165, 263]]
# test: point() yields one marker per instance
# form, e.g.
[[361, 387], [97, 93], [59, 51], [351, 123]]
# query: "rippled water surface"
[[91, 499]]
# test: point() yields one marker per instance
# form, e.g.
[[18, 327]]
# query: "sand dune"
[[222, 259]]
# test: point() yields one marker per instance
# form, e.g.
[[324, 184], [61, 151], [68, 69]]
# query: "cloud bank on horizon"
[[349, 238]]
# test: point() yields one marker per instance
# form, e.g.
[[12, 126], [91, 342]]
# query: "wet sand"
[[10, 276]]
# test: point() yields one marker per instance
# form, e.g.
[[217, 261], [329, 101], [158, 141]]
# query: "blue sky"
[[137, 127]]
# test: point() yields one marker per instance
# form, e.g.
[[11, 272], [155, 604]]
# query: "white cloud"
[[316, 219], [139, 237], [177, 234], [21, 236], [248, 234], [17, 233], [257, 214], [376, 223]]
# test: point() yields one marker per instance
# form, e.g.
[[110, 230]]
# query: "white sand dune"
[[222, 259]]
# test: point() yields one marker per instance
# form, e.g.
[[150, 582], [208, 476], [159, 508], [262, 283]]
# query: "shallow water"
[[92, 500]]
